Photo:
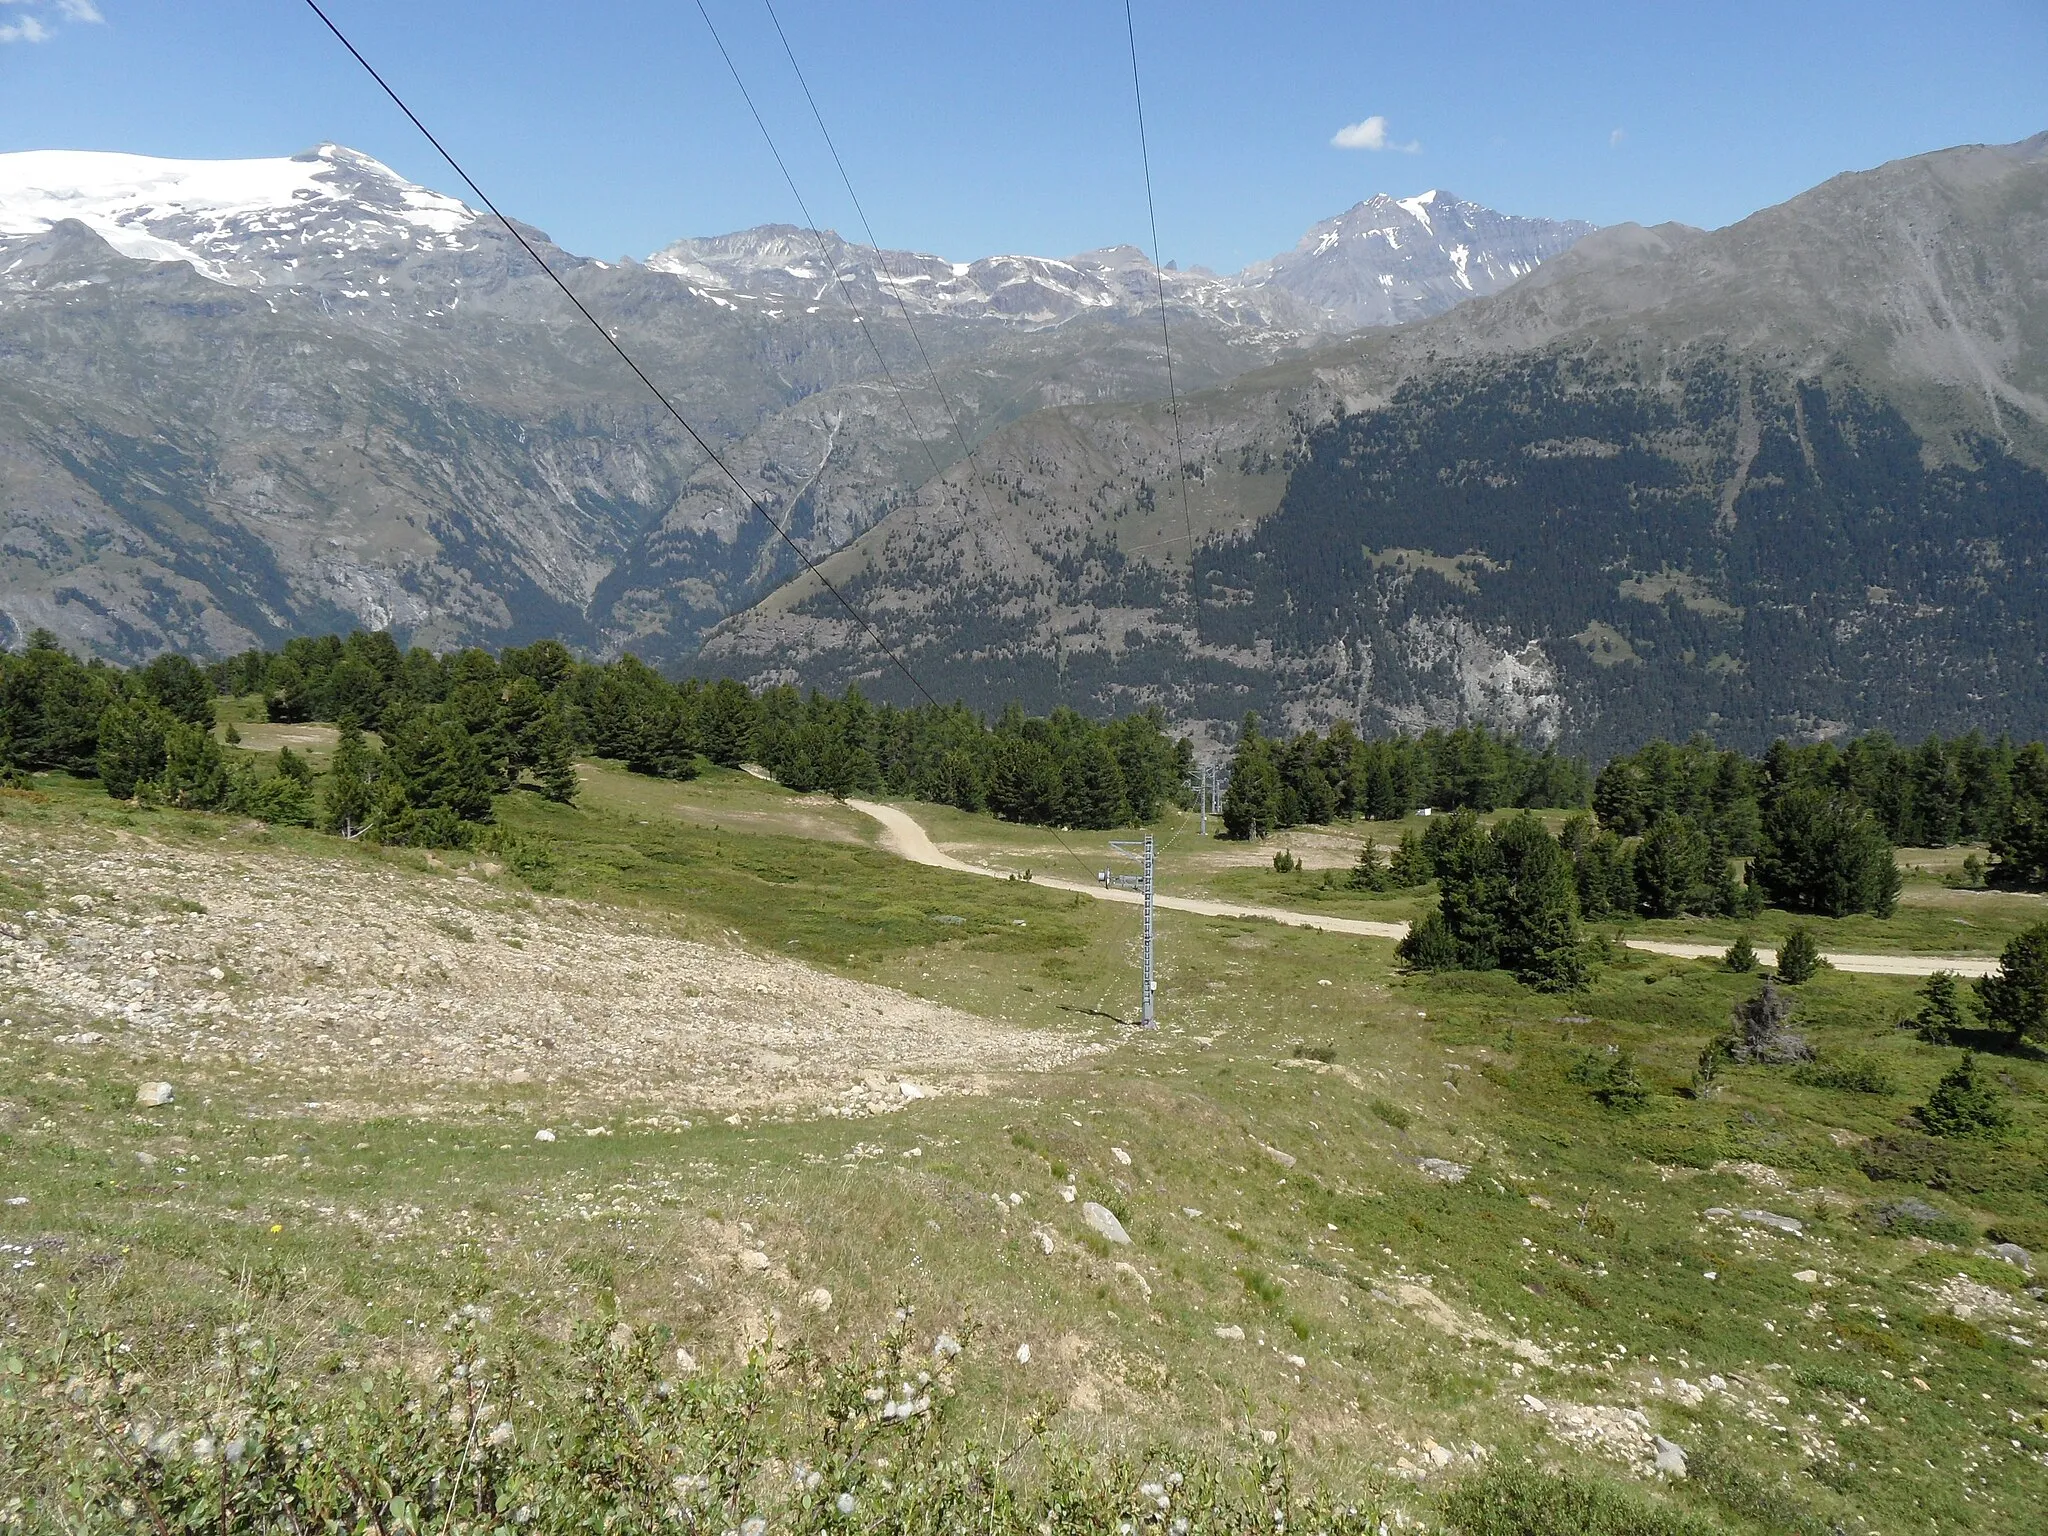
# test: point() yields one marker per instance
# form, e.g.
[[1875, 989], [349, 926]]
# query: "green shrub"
[[1860, 1073], [1741, 957], [1621, 1087], [1323, 1053], [1392, 1114], [1912, 1217], [1522, 1501], [1965, 1103]]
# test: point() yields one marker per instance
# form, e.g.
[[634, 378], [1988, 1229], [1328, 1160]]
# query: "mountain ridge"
[[1374, 516], [366, 406]]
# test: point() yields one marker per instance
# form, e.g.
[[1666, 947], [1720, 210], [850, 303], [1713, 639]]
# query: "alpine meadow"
[[796, 887]]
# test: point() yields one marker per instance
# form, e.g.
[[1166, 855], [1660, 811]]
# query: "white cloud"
[[1617, 138], [1371, 134], [32, 28]]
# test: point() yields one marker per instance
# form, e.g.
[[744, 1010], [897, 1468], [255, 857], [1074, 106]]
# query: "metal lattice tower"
[[1142, 883]]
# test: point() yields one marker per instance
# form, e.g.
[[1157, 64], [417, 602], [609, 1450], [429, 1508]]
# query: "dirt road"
[[902, 835], [905, 837]]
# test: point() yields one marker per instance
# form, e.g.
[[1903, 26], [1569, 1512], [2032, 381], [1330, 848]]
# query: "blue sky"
[[972, 128]]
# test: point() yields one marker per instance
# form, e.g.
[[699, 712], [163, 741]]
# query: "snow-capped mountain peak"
[[1392, 259], [246, 222]]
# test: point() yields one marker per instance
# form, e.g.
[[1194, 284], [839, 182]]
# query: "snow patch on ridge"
[[203, 210]]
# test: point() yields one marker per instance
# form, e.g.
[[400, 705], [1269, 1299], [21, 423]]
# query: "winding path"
[[904, 836]]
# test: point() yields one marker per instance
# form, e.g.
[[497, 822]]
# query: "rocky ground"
[[391, 990]]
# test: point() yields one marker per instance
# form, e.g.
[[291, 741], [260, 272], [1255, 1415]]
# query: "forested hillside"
[[1784, 478]]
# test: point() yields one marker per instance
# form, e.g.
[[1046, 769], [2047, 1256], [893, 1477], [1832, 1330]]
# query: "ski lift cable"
[[1165, 334], [817, 236], [625, 357]]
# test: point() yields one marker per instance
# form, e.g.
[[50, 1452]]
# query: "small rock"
[[543, 1135], [1231, 1332], [1299, 1362], [685, 1361], [216, 973], [753, 1261], [1192, 1212], [1131, 1271], [911, 1090], [146, 1159], [1284, 1159], [1806, 1276], [1121, 1155], [1101, 1219], [1443, 1170], [1772, 1219], [1437, 1453], [1067, 1193], [1023, 1354], [519, 1075], [152, 1095], [1046, 1243], [1670, 1456], [1532, 1402], [818, 1300], [2014, 1254]]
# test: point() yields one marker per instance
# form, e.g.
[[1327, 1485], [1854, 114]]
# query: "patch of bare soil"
[[384, 990]]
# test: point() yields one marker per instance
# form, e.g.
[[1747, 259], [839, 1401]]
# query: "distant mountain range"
[[1786, 476], [246, 399]]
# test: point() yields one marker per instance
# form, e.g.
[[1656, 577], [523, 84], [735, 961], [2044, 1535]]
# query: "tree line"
[[1307, 779]]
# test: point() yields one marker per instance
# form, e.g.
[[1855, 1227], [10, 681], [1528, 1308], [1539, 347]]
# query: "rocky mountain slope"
[[1785, 476], [254, 398]]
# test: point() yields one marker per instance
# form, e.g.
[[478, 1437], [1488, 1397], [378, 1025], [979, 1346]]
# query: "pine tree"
[[1799, 957], [1824, 853], [294, 767], [1965, 1103], [1369, 874], [132, 745], [1251, 802], [2015, 997], [195, 776], [1409, 865], [1940, 1017], [556, 764], [349, 797], [1537, 921], [1741, 957]]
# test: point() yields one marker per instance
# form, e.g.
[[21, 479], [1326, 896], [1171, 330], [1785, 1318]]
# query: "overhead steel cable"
[[1165, 335], [881, 262], [642, 375], [817, 236], [626, 357]]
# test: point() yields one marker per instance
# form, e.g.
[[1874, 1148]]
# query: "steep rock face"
[[1785, 476], [1390, 260], [246, 399]]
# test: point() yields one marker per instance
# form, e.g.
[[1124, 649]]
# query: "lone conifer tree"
[[1965, 1103], [2016, 997], [555, 766], [1941, 1009], [1798, 957], [349, 798]]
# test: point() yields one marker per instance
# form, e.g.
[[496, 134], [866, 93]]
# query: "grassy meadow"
[[1391, 1259]]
